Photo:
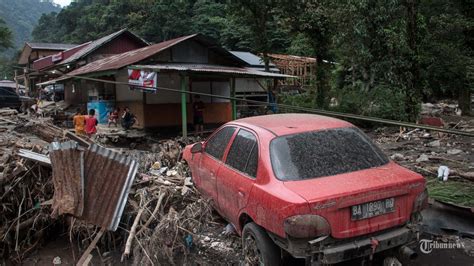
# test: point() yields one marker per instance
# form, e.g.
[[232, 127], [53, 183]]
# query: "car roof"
[[285, 124]]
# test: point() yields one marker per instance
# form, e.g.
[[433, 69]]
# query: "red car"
[[313, 186]]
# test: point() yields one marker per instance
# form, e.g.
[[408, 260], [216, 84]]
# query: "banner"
[[143, 80]]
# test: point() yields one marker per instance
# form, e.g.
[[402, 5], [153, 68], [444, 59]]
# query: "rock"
[[422, 158], [56, 261], [207, 239], [397, 157], [435, 143], [454, 151]]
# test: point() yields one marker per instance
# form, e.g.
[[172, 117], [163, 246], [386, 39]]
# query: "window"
[[323, 153], [243, 154], [216, 145]]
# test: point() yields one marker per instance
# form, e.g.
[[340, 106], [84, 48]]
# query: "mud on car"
[[311, 186]]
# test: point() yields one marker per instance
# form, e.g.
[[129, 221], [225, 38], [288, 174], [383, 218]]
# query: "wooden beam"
[[184, 113]]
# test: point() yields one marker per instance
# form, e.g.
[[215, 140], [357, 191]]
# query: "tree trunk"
[[413, 88]]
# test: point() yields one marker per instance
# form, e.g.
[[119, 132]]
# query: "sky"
[[63, 2]]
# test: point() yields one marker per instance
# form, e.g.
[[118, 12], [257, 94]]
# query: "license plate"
[[371, 209]]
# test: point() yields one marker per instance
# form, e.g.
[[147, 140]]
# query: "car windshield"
[[323, 153]]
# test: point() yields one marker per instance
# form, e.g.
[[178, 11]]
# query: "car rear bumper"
[[330, 251], [363, 247]]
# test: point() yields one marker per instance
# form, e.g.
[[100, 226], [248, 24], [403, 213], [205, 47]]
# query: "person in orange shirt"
[[79, 121]]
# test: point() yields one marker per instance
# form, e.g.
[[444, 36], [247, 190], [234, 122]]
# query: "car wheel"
[[258, 248]]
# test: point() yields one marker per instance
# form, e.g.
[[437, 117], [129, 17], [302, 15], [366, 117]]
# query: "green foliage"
[[21, 17], [5, 36]]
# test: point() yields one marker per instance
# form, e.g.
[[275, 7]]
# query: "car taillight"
[[421, 201], [306, 226]]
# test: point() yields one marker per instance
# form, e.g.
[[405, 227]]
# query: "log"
[[131, 236]]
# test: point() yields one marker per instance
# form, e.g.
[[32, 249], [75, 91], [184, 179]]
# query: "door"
[[237, 176], [211, 160]]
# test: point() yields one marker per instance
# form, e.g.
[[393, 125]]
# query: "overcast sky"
[[63, 2]]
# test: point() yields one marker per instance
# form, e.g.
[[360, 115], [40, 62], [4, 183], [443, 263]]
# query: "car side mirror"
[[198, 147]]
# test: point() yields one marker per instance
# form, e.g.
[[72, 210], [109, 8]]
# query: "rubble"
[[164, 209]]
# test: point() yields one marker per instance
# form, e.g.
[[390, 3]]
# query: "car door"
[[237, 176], [211, 160]]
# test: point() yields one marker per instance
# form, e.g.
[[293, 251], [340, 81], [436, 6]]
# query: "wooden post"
[[232, 94], [16, 83], [184, 113]]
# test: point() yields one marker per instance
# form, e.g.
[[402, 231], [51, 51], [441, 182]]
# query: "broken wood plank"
[[37, 157], [85, 256]]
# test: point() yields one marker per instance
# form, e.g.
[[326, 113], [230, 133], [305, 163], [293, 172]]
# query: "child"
[[113, 117], [79, 121], [91, 123]]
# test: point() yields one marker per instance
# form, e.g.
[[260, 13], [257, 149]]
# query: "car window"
[[243, 154], [216, 145], [323, 153], [7, 91]]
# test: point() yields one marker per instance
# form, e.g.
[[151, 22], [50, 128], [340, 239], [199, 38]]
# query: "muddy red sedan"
[[311, 186]]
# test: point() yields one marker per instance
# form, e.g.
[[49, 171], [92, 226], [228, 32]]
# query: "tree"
[[5, 36]]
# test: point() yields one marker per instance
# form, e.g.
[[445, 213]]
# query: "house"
[[303, 68], [53, 66], [173, 69], [256, 89], [34, 51]]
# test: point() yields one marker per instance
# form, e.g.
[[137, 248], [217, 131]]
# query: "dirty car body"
[[318, 186]]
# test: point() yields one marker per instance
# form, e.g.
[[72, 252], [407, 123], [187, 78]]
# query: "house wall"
[[190, 52], [249, 85], [128, 98], [121, 44], [75, 92]]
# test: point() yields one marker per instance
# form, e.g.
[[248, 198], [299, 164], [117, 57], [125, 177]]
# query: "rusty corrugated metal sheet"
[[108, 178], [121, 60], [67, 162], [207, 68]]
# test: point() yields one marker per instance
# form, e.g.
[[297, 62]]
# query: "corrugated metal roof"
[[108, 178], [67, 162], [204, 68], [94, 45], [121, 60], [50, 46], [47, 61], [251, 59]]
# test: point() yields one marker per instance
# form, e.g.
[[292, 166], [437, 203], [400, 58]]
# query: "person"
[[128, 119], [113, 117], [91, 123], [79, 122], [198, 115]]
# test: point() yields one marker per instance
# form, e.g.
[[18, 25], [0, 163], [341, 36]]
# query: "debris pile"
[[164, 212], [428, 152]]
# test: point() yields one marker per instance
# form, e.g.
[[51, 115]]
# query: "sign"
[[57, 57], [143, 80]]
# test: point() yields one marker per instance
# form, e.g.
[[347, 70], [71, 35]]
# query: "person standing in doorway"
[[79, 121], [128, 119], [198, 115], [91, 123]]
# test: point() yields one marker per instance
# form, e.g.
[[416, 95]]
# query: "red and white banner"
[[142, 80]]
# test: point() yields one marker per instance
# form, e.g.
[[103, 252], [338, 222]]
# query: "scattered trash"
[[423, 158], [435, 143], [397, 157], [229, 230], [453, 151], [443, 173], [56, 261]]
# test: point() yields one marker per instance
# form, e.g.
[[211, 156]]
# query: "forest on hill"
[[386, 56], [21, 16]]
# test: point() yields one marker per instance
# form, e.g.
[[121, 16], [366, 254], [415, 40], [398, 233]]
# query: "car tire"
[[258, 248]]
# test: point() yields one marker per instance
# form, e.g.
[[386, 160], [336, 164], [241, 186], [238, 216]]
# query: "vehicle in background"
[[9, 98], [313, 186]]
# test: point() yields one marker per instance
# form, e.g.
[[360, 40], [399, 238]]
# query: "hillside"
[[22, 16]]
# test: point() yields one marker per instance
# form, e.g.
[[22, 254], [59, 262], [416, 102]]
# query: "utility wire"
[[291, 107]]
